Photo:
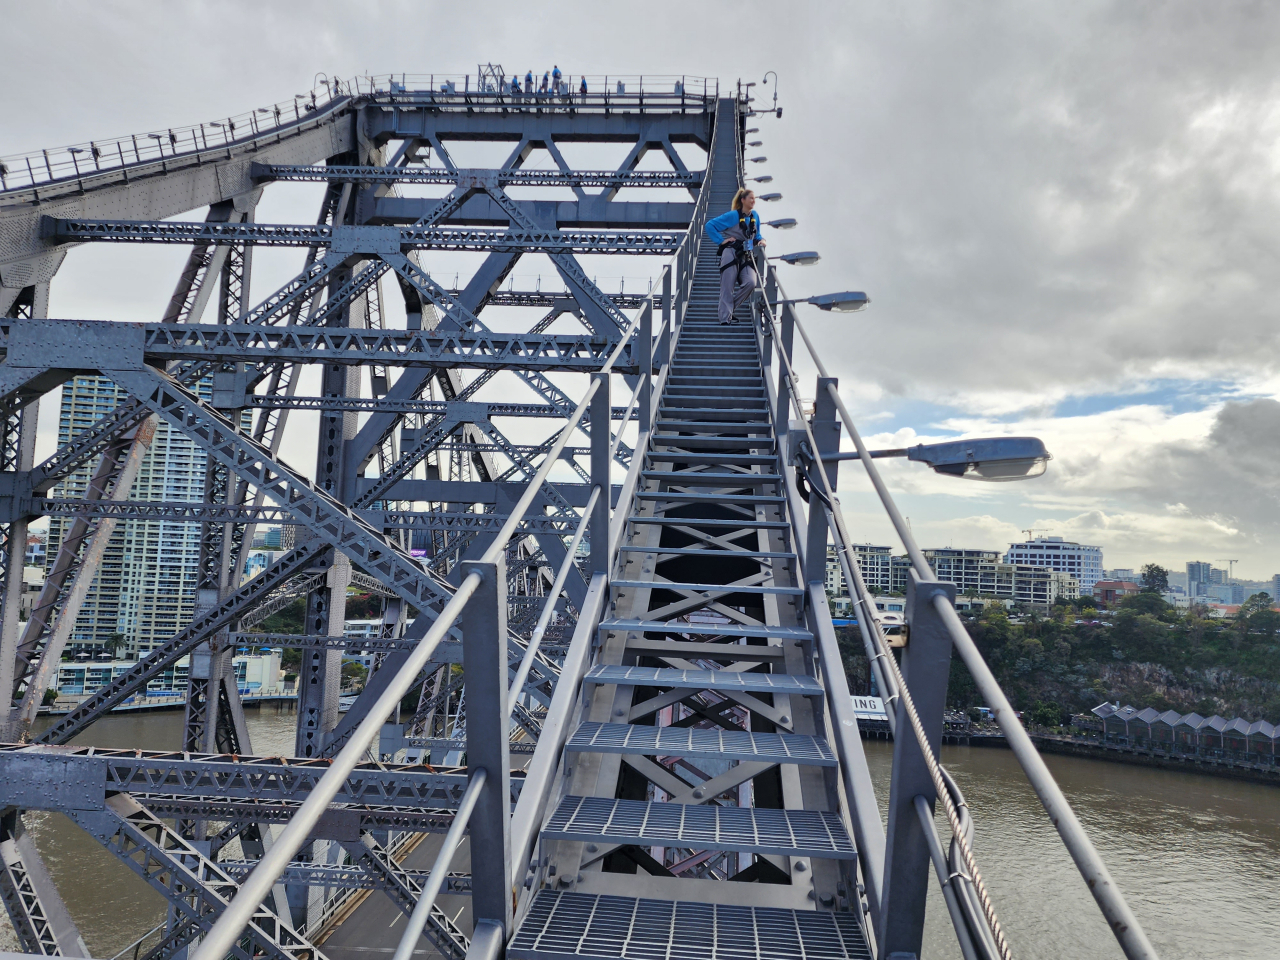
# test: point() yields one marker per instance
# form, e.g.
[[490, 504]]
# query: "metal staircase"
[[701, 757]]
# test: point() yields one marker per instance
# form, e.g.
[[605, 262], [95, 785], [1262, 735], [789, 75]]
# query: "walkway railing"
[[935, 626], [80, 164]]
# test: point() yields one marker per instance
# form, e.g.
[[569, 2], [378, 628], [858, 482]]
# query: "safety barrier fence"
[[79, 165], [139, 154], [931, 617], [501, 846]]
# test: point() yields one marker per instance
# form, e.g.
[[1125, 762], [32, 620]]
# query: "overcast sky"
[[1066, 215]]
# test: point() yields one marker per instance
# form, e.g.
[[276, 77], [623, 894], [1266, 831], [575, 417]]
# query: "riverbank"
[[1092, 749]]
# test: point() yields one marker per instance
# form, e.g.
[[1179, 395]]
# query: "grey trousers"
[[742, 278]]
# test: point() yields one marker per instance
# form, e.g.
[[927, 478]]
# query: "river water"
[[1197, 857]]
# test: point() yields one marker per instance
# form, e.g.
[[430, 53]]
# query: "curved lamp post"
[[804, 258], [994, 459]]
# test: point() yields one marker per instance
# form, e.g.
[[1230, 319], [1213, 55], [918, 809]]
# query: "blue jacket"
[[717, 227]]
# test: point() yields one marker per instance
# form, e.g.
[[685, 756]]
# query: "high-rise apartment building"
[[145, 587], [1078, 560], [1199, 576]]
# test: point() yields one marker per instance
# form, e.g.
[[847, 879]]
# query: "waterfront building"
[[1275, 587], [974, 572], [1109, 591], [1079, 560], [257, 674], [1237, 739], [876, 563], [145, 587]]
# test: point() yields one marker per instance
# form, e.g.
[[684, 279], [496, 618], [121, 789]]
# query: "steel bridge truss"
[[646, 629]]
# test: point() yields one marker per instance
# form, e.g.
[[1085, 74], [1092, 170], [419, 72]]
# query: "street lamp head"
[[757, 159], [753, 130], [991, 458], [763, 178], [786, 223], [805, 258], [755, 143], [769, 197], [850, 301]]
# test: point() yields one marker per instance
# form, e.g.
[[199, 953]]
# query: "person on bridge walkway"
[[736, 235], [528, 83]]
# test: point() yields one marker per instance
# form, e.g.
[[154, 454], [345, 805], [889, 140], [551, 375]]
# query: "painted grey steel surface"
[[705, 679], [702, 827], [583, 925], [694, 742]]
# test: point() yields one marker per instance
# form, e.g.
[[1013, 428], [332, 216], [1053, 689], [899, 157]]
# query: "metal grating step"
[[737, 680], [694, 742], [706, 587], [746, 523], [743, 459], [784, 833], [712, 479], [585, 926], [714, 554], [707, 629], [739, 498]]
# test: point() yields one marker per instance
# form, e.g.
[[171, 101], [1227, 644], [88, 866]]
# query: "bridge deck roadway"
[[372, 930]]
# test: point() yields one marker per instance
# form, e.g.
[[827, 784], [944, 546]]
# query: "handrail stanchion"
[[825, 429], [786, 339], [601, 445], [645, 358], [664, 345], [484, 633], [926, 665]]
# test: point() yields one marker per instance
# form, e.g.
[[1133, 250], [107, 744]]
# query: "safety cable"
[[908, 705]]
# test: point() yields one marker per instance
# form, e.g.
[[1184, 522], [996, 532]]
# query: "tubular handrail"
[[535, 639], [222, 936], [1124, 925], [78, 163], [904, 695], [440, 869]]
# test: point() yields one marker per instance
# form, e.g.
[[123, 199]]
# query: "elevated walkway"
[[699, 815]]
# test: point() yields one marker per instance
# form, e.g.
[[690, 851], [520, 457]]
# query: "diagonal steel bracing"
[[195, 887]]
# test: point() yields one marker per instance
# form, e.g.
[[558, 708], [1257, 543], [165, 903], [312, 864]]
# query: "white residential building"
[[145, 587], [1078, 560]]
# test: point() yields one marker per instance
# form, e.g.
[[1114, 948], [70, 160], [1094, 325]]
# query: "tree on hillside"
[[1257, 616], [1155, 579]]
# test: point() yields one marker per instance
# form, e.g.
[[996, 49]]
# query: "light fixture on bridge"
[[769, 197], [757, 159], [994, 459], [755, 143], [753, 130], [786, 223], [850, 301], [804, 258], [764, 178]]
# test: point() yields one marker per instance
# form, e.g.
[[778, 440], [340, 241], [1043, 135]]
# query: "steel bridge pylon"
[[605, 658]]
